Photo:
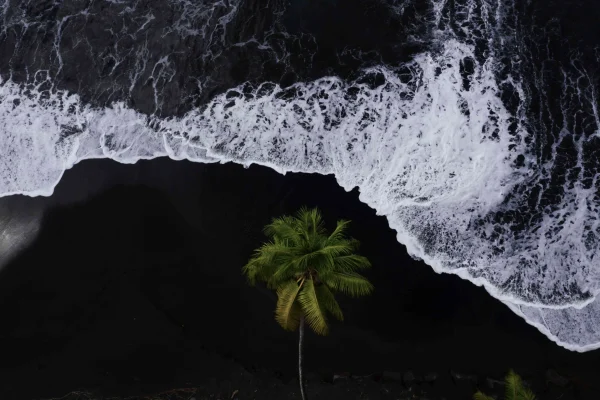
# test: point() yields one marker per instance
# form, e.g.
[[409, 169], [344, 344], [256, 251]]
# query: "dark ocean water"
[[472, 125]]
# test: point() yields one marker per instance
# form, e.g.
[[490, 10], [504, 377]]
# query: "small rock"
[[458, 377], [341, 376], [555, 378]]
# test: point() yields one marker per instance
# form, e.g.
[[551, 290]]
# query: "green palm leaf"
[[309, 301], [339, 231], [352, 263], [284, 229], [350, 283], [265, 262], [310, 221], [288, 311], [527, 395], [481, 396], [328, 301], [337, 249], [515, 389], [513, 382], [282, 274]]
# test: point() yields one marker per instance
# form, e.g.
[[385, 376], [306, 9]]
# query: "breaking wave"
[[476, 179]]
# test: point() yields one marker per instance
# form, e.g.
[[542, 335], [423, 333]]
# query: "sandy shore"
[[132, 285]]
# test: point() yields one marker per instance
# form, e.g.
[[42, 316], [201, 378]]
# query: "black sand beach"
[[133, 287]]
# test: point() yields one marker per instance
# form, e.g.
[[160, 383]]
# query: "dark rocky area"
[[133, 287]]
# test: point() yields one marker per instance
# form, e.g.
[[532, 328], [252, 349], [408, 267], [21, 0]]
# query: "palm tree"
[[306, 265], [515, 389]]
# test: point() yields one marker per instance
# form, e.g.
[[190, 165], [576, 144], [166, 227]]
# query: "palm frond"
[[283, 274], [350, 283], [481, 396], [312, 309], [310, 221], [325, 261], [337, 249], [284, 229], [299, 264], [257, 270], [322, 263], [340, 229], [515, 389], [328, 302], [527, 394], [307, 260], [274, 251], [351, 263], [288, 311], [266, 261], [251, 270], [513, 382]]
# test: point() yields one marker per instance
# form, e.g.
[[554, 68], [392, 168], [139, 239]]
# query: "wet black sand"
[[133, 286]]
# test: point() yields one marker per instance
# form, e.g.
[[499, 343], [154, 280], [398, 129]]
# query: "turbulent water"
[[473, 125]]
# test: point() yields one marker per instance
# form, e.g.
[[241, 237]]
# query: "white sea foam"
[[437, 159], [573, 328]]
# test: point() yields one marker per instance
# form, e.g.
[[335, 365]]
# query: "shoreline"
[[165, 240]]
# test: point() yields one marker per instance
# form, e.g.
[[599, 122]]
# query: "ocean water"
[[472, 125]]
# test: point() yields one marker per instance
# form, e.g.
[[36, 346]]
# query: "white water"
[[434, 158]]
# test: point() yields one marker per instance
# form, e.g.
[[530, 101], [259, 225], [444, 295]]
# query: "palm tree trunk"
[[300, 377]]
